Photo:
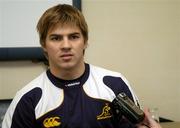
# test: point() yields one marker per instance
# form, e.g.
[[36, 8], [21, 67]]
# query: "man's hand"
[[148, 122]]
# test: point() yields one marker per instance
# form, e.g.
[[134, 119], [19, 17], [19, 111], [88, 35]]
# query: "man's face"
[[64, 46]]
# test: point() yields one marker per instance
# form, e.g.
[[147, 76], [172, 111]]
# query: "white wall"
[[139, 38]]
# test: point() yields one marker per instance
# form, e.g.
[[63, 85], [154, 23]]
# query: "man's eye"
[[73, 37], [55, 38]]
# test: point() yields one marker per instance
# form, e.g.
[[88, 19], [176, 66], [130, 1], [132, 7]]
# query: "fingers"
[[149, 120]]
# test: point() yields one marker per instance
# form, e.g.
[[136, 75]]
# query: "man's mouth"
[[66, 57]]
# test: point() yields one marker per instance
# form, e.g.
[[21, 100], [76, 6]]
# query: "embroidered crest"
[[51, 122], [105, 113]]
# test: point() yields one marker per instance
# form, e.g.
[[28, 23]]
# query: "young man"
[[71, 93]]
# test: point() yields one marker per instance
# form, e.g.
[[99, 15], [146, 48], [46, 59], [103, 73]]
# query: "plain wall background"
[[139, 38]]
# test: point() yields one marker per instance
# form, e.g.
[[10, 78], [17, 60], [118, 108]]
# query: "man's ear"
[[85, 44], [44, 48], [45, 52]]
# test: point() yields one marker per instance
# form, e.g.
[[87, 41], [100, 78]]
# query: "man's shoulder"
[[111, 80], [35, 83], [104, 71], [32, 90]]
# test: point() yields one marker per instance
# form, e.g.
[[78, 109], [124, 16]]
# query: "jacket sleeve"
[[21, 112]]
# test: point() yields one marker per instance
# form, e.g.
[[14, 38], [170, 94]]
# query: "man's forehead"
[[65, 27]]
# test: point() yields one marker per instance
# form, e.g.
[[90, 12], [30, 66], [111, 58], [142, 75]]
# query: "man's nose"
[[66, 44]]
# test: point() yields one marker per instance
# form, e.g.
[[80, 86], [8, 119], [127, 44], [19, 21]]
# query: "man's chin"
[[67, 66]]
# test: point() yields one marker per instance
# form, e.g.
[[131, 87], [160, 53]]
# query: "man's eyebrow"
[[53, 35], [73, 33]]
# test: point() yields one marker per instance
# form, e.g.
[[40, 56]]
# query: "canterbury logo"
[[105, 113], [51, 122]]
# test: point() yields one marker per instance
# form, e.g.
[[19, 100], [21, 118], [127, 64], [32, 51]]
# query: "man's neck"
[[69, 74]]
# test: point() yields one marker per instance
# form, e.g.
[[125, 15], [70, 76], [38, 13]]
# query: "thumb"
[[149, 120]]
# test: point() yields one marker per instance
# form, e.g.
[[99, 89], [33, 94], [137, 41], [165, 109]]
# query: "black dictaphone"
[[123, 105]]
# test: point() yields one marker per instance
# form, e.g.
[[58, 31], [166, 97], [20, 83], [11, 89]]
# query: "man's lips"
[[66, 56]]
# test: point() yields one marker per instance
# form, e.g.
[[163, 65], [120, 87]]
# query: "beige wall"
[[139, 38], [16, 74]]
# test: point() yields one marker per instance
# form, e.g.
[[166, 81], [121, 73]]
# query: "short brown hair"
[[61, 14]]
